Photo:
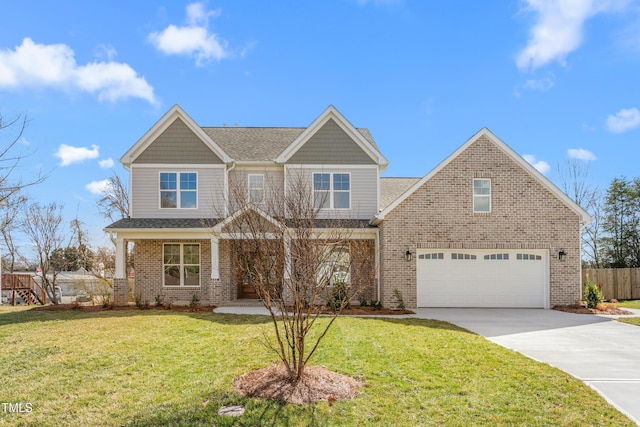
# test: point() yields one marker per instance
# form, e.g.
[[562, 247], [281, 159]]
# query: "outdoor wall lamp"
[[408, 255], [561, 254]]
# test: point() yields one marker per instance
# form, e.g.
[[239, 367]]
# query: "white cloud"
[[194, 39], [69, 155], [542, 85], [623, 120], [106, 163], [581, 154], [54, 65], [98, 187], [540, 165], [559, 27]]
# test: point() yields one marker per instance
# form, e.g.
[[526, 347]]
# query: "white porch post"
[[121, 258], [287, 257], [215, 258]]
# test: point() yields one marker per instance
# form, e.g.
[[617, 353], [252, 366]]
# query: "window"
[[332, 190], [528, 257], [481, 195], [178, 190], [463, 256], [497, 256], [181, 264], [256, 189], [438, 255], [336, 266]]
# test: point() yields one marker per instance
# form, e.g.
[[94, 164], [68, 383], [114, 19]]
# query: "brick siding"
[[524, 214]]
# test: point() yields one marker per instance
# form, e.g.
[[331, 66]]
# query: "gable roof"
[[584, 216], [393, 187], [331, 113], [161, 125]]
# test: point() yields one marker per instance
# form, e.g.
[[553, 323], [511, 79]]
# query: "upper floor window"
[[332, 190], [481, 195], [256, 189], [179, 190]]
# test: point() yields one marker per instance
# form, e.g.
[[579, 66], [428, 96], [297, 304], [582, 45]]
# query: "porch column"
[[121, 259], [120, 281], [287, 257], [215, 258]]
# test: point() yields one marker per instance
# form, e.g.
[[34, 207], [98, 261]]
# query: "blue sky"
[[553, 79]]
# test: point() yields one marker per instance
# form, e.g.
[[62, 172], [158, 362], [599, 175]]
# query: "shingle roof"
[[155, 223], [392, 188], [199, 223], [259, 144]]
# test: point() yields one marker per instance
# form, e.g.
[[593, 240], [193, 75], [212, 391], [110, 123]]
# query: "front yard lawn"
[[153, 368], [631, 303]]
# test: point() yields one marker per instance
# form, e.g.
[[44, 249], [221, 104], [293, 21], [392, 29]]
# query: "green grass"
[[150, 368], [631, 303]]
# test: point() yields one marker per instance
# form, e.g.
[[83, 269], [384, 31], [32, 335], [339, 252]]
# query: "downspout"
[[226, 187], [378, 264]]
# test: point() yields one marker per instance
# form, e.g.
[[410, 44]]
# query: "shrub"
[[195, 302], [339, 296], [138, 300], [159, 300], [399, 300], [593, 296], [362, 298]]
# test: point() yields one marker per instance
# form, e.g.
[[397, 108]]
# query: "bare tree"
[[11, 132], [574, 180], [114, 202], [9, 223], [296, 261], [41, 224]]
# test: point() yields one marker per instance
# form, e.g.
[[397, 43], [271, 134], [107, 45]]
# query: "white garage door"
[[482, 278]]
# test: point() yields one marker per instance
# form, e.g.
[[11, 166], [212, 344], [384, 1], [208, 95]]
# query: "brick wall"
[[149, 270], [524, 214]]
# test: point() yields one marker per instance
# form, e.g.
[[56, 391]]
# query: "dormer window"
[[481, 195], [178, 190]]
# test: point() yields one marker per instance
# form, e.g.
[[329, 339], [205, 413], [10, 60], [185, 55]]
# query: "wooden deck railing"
[[25, 286]]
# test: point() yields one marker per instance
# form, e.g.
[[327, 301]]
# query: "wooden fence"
[[618, 283]]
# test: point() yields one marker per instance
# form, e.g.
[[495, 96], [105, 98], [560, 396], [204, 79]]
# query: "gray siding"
[[331, 145], [145, 192], [178, 145], [364, 190]]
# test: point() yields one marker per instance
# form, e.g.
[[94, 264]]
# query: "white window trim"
[[487, 196], [182, 265], [177, 190], [249, 176], [331, 190]]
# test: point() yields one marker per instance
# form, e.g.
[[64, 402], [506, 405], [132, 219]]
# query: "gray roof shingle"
[[158, 223], [392, 188], [259, 144]]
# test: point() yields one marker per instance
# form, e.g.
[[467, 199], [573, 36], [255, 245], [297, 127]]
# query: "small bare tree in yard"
[[41, 224], [296, 262]]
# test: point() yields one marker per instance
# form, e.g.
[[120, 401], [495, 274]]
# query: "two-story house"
[[483, 229]]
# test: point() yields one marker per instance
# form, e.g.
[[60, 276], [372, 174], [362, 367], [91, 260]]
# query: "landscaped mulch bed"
[[317, 384], [601, 309], [358, 310]]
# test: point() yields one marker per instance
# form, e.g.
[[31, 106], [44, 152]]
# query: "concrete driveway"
[[598, 350]]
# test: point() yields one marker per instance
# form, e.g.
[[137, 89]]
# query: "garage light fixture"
[[408, 255], [561, 254]]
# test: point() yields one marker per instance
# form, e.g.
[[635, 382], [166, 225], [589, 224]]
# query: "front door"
[[247, 269], [245, 276]]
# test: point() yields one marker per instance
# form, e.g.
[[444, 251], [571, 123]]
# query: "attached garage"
[[482, 278]]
